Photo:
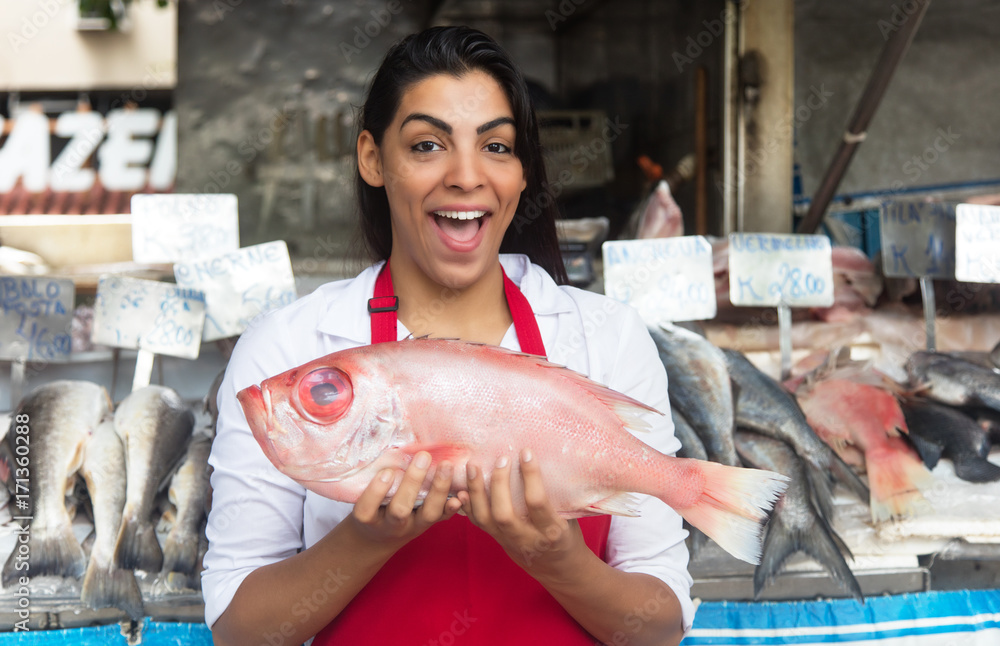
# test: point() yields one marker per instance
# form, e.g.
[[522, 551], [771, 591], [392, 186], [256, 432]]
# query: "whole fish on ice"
[[332, 424], [44, 448]]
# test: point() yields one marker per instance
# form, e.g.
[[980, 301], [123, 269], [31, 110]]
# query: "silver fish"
[[43, 450], [691, 445], [764, 406], [189, 493], [699, 388], [106, 585], [154, 425], [796, 526], [950, 380]]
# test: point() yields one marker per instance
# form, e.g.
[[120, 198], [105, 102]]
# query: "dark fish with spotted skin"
[[941, 432]]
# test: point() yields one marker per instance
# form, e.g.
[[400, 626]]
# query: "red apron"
[[454, 584]]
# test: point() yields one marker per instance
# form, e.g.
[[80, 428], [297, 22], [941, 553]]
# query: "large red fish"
[[332, 424]]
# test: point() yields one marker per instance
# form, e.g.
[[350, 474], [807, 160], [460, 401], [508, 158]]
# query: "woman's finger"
[[401, 505], [475, 502], [540, 509], [434, 504], [500, 498], [366, 509]]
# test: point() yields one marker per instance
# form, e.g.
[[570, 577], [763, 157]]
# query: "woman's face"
[[453, 181]]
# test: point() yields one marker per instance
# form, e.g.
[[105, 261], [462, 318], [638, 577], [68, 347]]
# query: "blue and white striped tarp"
[[958, 618]]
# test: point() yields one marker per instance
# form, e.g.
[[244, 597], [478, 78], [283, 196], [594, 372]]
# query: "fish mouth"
[[256, 403]]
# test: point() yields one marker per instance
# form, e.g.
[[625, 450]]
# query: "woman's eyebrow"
[[490, 125], [434, 121]]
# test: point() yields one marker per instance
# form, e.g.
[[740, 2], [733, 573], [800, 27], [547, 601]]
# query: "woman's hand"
[[398, 521], [540, 542]]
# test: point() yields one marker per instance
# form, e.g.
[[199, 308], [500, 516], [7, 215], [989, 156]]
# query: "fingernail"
[[502, 462], [526, 455], [472, 471], [444, 471], [385, 475], [423, 460]]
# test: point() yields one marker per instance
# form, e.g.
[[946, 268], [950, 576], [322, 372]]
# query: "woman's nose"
[[465, 171]]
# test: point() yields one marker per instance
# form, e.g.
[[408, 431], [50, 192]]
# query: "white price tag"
[[977, 243], [239, 285], [149, 315], [36, 317], [665, 279], [766, 269], [170, 228], [918, 239]]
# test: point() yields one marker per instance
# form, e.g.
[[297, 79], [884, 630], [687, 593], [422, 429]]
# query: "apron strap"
[[384, 303]]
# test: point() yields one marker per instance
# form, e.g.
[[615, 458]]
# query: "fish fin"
[[110, 587], [930, 452], [977, 470], [733, 506], [820, 490], [137, 547], [843, 473], [52, 552], [896, 479], [454, 453], [180, 553], [620, 504]]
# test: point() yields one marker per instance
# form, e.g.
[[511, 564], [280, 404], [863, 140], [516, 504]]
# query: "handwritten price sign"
[[176, 228], [36, 314], [239, 285], [666, 279], [768, 269], [977, 243], [918, 239], [148, 315]]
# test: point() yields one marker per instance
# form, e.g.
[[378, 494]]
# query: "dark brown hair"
[[458, 51]]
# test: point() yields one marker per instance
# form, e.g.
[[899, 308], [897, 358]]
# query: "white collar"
[[340, 316]]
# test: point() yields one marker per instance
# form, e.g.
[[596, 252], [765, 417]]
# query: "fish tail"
[[110, 587], [180, 553], [137, 547], [733, 507], [782, 542], [50, 552], [896, 478]]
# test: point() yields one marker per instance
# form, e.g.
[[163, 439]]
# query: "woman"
[[449, 175]]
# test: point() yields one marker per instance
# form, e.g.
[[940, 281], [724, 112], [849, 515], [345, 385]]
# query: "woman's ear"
[[369, 160]]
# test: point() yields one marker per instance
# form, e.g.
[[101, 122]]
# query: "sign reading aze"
[[121, 142]]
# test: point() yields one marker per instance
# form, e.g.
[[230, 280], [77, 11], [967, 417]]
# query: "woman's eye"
[[496, 147], [425, 147]]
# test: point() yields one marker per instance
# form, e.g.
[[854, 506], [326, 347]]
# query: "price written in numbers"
[[666, 279], [239, 285], [770, 269], [149, 315], [173, 227], [36, 315]]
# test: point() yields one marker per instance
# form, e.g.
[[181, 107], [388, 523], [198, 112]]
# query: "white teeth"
[[461, 215]]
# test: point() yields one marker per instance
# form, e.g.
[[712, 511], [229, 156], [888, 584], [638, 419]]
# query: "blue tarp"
[[966, 617]]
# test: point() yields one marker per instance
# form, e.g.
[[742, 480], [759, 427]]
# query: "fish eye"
[[324, 394]]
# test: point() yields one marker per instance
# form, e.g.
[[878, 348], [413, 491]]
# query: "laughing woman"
[[454, 215]]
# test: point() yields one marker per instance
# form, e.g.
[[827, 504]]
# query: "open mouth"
[[461, 226]]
